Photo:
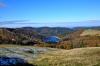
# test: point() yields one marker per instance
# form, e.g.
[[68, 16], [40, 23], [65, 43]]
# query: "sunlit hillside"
[[75, 57], [91, 32]]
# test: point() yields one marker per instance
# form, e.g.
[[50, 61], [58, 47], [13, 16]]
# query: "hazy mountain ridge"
[[51, 31]]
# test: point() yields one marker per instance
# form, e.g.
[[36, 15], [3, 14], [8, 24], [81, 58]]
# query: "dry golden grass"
[[89, 56], [7, 45], [91, 32], [74, 57]]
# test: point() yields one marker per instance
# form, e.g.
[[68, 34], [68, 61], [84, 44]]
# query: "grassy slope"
[[74, 57], [54, 57], [91, 32]]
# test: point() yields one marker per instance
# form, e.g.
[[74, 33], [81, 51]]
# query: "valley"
[[49, 32], [79, 47]]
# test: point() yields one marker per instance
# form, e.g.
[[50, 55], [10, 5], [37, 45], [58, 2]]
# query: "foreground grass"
[[54, 57], [74, 57]]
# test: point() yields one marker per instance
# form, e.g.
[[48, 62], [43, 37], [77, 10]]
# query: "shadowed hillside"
[[13, 61], [13, 36]]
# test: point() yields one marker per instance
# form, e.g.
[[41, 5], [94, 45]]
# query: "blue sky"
[[60, 13]]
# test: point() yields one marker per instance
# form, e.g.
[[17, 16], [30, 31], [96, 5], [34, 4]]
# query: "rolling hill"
[[50, 31], [37, 56], [30, 34], [6, 36], [14, 36], [75, 57], [81, 38], [70, 37], [91, 32]]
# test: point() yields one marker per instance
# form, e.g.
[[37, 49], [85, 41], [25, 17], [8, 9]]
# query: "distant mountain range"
[[95, 27], [50, 31]]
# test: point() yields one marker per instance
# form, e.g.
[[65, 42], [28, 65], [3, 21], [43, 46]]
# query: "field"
[[74, 57], [89, 56]]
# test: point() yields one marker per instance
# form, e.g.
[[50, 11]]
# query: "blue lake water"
[[51, 39]]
